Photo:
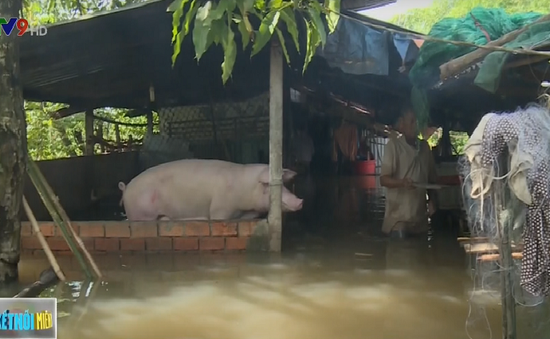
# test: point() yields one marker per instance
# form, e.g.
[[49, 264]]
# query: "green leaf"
[[275, 4], [230, 6], [189, 16], [237, 18], [248, 24], [229, 51], [245, 5], [216, 33], [177, 48], [259, 5], [201, 30], [184, 31], [315, 14], [245, 35], [334, 14], [289, 18], [176, 17], [313, 40], [283, 46], [218, 12], [51, 6], [266, 31], [174, 6]]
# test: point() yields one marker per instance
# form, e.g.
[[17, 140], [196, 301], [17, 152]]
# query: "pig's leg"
[[222, 211], [250, 215], [141, 216]]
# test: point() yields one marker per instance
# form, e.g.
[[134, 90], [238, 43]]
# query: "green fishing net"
[[496, 23]]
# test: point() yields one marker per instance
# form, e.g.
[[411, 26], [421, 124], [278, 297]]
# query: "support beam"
[[150, 112], [275, 146], [150, 122], [361, 5], [89, 132]]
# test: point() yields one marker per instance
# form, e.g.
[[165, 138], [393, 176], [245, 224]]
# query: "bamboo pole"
[[89, 132], [504, 224], [33, 170], [455, 66], [275, 146], [65, 218], [117, 138], [42, 240]]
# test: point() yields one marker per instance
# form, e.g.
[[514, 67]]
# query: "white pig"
[[202, 189]]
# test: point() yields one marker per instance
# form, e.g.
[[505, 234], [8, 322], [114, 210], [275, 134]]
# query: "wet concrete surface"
[[337, 278]]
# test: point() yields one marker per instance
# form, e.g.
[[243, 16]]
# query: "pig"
[[194, 189]]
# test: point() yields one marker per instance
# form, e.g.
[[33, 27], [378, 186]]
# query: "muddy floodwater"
[[338, 280]]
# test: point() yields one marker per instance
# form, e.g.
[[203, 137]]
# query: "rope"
[[96, 117], [276, 182]]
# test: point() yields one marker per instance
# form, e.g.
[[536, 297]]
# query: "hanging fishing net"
[[506, 187], [476, 27], [494, 21]]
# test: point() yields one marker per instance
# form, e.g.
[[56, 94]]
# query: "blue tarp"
[[406, 47], [358, 49]]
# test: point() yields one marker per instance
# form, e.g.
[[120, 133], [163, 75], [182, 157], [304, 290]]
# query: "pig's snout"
[[294, 204]]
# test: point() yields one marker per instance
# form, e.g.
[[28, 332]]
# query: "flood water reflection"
[[341, 281], [395, 290]]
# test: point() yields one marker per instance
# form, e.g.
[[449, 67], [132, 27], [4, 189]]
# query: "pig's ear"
[[288, 175]]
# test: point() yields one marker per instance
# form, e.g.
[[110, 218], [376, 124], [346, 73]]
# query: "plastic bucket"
[[365, 167]]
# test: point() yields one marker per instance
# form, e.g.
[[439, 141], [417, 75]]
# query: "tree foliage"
[[50, 138], [422, 19], [217, 22]]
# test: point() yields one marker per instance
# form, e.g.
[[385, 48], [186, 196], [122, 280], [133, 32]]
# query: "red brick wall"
[[161, 236]]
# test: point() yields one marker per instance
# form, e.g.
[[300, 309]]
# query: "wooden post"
[[275, 147], [117, 138], [89, 132], [150, 122], [100, 136], [150, 112], [287, 120]]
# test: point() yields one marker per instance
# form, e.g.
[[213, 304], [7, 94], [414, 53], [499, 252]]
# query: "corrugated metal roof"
[[111, 59], [361, 5]]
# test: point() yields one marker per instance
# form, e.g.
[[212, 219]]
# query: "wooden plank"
[[464, 239], [495, 257], [480, 248], [486, 248]]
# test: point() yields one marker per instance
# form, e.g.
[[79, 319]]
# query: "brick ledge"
[[144, 236]]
